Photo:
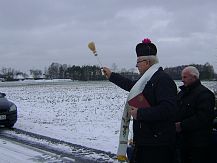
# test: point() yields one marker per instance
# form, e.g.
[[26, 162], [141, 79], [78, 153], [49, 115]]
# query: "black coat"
[[154, 125], [196, 113]]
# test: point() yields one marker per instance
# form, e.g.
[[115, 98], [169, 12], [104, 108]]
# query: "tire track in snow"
[[80, 153]]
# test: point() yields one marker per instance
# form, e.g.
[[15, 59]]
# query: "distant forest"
[[87, 73], [206, 71]]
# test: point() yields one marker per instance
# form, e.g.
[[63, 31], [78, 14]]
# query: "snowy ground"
[[84, 113], [80, 112], [11, 151]]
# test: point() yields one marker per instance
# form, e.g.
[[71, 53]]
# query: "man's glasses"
[[141, 61]]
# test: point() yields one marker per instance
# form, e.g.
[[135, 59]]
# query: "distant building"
[[19, 77], [29, 77]]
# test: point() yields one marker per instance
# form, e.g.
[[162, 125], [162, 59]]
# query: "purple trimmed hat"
[[146, 48]]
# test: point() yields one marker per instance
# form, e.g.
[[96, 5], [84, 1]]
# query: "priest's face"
[[143, 65]]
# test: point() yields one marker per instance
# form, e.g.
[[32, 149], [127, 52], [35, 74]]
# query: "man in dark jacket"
[[194, 118], [153, 126]]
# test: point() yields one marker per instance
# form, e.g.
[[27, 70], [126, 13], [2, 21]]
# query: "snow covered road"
[[50, 148], [11, 152]]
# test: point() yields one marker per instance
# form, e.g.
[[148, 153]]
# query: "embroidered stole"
[[135, 91]]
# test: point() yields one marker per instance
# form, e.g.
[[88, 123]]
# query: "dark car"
[[8, 112]]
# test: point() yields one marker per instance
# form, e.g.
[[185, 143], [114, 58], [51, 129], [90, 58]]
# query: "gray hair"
[[193, 71], [152, 58]]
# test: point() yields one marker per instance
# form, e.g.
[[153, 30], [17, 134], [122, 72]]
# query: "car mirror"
[[2, 94]]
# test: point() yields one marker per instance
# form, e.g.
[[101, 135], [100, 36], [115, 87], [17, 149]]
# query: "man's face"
[[188, 78], [142, 65]]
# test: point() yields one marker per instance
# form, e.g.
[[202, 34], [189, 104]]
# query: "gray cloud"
[[36, 33]]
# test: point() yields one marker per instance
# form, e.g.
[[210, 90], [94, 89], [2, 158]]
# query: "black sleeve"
[[166, 102], [204, 113], [121, 81]]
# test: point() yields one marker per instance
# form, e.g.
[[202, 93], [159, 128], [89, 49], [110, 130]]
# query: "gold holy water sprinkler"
[[92, 47]]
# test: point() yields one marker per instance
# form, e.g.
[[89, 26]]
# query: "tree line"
[[86, 73], [83, 73], [206, 71]]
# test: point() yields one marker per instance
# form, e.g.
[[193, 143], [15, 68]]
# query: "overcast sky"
[[35, 33]]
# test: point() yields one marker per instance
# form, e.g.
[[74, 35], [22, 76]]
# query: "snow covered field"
[[84, 113]]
